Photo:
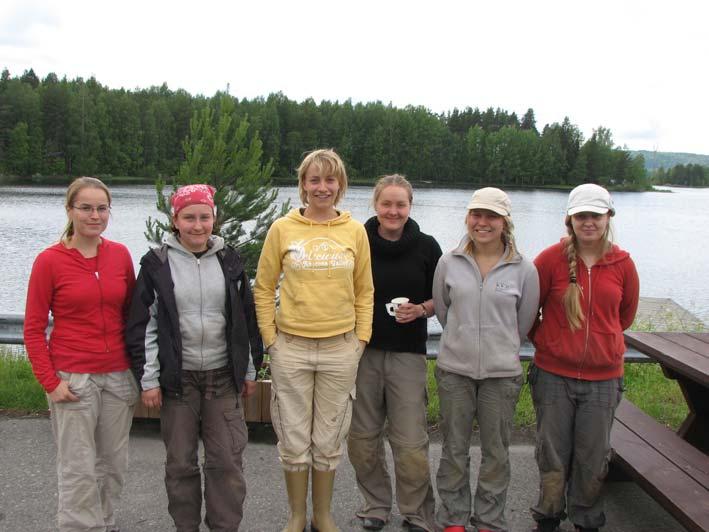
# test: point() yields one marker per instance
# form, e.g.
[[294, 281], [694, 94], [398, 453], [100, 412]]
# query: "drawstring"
[[329, 264]]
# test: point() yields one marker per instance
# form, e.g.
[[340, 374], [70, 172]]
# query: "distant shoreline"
[[290, 181]]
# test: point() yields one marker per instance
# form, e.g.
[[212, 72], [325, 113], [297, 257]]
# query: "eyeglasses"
[[101, 210]]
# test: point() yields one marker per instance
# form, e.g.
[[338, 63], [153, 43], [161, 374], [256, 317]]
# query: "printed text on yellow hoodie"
[[326, 287]]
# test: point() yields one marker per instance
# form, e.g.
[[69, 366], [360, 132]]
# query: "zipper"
[[481, 285], [480, 313], [100, 298], [201, 310], [588, 324]]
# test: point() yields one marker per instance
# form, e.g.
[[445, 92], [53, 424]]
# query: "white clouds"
[[636, 67]]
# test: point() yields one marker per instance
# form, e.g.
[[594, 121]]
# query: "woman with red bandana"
[[85, 281], [195, 345]]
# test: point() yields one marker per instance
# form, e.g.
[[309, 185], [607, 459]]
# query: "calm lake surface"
[[666, 234]]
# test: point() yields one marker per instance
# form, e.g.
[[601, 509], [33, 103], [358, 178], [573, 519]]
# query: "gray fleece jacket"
[[200, 294], [484, 320]]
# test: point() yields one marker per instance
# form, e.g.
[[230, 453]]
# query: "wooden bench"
[[668, 468]]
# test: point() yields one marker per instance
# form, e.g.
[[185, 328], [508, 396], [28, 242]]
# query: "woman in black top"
[[391, 379]]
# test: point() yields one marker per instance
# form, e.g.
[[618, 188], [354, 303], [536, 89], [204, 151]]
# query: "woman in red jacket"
[[85, 281], [589, 295]]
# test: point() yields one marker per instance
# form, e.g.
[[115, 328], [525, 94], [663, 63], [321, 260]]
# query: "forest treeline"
[[685, 175], [56, 126]]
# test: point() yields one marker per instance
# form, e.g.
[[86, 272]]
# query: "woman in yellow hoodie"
[[317, 334]]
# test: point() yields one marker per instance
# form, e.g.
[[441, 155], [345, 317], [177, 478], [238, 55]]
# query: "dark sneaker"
[[372, 523], [547, 525], [412, 527], [578, 528]]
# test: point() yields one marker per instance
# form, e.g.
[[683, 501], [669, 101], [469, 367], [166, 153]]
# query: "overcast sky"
[[636, 67]]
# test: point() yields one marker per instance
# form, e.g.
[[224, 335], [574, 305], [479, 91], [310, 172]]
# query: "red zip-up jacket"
[[88, 299], [610, 294]]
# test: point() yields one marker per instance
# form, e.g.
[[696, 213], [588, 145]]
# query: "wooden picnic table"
[[683, 357], [672, 467]]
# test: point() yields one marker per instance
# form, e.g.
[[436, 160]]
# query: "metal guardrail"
[[11, 333], [11, 329]]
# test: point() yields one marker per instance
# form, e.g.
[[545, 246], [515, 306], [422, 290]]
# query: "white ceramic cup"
[[394, 304]]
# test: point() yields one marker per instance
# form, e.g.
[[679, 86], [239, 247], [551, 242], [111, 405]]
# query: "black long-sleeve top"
[[401, 268]]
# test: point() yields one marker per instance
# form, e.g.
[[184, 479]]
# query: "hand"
[[152, 398], [248, 389], [408, 312], [62, 394], [362, 345]]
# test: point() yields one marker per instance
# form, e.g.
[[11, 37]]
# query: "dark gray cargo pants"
[[574, 419], [208, 408]]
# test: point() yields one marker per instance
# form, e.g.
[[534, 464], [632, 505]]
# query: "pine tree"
[[219, 151]]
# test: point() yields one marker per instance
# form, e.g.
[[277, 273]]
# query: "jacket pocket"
[[605, 349]]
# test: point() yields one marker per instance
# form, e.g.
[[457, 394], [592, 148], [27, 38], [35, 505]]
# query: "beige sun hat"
[[491, 198]]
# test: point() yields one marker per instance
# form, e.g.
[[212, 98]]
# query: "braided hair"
[[572, 296]]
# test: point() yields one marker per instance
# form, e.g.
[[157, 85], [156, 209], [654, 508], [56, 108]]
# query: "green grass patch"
[[19, 390], [647, 388]]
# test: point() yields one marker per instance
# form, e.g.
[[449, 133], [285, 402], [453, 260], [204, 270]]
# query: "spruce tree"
[[219, 151]]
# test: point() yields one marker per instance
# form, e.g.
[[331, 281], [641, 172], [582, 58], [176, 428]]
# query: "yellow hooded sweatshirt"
[[327, 286]]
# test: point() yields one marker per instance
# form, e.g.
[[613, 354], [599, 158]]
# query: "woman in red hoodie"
[[85, 281], [589, 295]]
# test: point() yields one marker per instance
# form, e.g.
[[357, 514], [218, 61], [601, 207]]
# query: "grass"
[[646, 386], [19, 390]]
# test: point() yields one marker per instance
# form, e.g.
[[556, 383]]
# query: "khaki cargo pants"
[[311, 398], [92, 448], [391, 391]]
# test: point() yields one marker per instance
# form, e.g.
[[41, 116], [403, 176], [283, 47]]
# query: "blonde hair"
[[326, 161], [572, 296], [393, 180], [508, 239], [76, 186]]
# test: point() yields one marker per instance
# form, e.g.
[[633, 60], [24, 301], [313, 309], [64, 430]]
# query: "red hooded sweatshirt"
[[88, 299], [610, 294]]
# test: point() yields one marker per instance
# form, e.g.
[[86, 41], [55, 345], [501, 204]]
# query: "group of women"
[[342, 309]]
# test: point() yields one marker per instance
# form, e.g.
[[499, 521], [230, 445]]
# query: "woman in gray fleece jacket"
[[485, 295]]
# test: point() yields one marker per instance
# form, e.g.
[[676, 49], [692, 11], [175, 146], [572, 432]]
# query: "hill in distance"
[[666, 159]]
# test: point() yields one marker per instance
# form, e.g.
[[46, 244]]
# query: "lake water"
[[666, 234]]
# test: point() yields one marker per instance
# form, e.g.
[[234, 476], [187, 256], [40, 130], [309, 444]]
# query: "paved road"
[[28, 486]]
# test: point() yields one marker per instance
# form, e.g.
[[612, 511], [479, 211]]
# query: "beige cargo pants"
[[311, 398], [92, 448]]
